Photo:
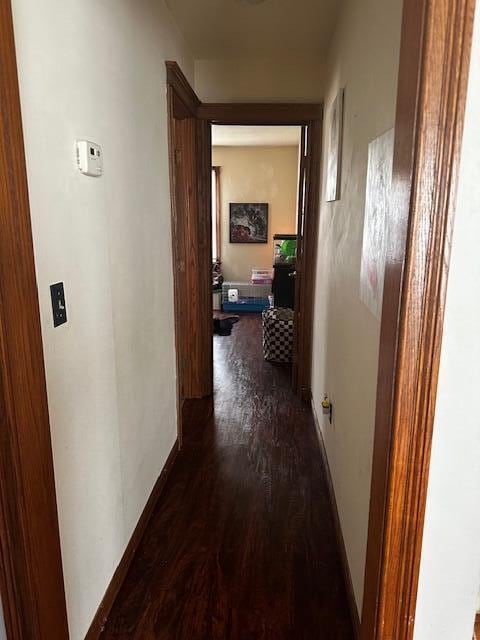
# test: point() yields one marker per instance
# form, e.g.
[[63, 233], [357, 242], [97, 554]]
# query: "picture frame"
[[248, 223], [334, 150]]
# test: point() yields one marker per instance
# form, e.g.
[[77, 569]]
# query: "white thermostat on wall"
[[89, 158]]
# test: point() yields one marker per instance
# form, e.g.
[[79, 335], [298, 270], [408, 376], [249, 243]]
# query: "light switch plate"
[[59, 307]]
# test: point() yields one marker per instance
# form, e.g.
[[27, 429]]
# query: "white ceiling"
[[245, 136], [248, 29]]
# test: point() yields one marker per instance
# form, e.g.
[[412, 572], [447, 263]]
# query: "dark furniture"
[[283, 286]]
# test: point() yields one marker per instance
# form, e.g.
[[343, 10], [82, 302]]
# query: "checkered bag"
[[277, 335]]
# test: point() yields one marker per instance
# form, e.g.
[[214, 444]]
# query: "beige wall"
[[256, 174], [95, 70], [364, 60], [276, 80]]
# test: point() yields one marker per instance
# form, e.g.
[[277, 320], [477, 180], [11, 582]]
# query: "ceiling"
[[249, 29], [246, 136]]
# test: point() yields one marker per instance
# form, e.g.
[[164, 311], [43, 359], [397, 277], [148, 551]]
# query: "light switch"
[[59, 308]]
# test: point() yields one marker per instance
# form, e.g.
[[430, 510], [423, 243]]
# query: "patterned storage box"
[[277, 335]]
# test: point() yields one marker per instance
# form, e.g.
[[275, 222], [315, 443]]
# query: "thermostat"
[[89, 158]]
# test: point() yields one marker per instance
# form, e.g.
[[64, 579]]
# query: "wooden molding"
[[190, 178], [177, 80], [307, 116], [338, 531], [120, 574], [435, 53], [260, 113], [306, 265], [476, 631], [31, 576], [218, 206]]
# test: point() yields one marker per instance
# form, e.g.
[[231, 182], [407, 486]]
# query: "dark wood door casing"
[[309, 117], [31, 577], [434, 62], [306, 266], [190, 172], [191, 224]]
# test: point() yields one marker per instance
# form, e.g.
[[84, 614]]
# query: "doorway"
[[191, 180], [255, 191]]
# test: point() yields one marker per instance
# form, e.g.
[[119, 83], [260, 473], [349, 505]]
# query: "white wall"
[[363, 59], [262, 80], [450, 564], [256, 174], [96, 70]]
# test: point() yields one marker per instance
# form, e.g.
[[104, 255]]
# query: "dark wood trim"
[[177, 80], [218, 205], [476, 631], [260, 113], [301, 202], [352, 603], [307, 263], [178, 278], [190, 166], [435, 53], [121, 571], [31, 577], [310, 117], [203, 246]]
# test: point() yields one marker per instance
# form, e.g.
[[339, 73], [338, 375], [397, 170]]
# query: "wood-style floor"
[[241, 545]]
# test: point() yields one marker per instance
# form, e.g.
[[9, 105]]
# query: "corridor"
[[241, 545]]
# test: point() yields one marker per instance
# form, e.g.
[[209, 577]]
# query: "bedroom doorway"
[[190, 135], [255, 218]]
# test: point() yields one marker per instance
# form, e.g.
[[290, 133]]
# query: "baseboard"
[[338, 532], [119, 576]]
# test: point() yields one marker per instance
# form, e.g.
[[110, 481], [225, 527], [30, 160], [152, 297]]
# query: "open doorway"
[[255, 202]]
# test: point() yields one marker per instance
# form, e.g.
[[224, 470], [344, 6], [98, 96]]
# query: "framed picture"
[[334, 151], [377, 207], [248, 222]]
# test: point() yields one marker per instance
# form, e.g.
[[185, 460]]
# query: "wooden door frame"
[[433, 73], [301, 115], [31, 577], [191, 243], [435, 52], [218, 204]]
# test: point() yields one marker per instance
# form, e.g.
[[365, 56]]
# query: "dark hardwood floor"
[[241, 545]]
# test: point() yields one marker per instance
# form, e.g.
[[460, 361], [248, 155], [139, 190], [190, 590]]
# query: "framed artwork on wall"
[[377, 206], [334, 149], [248, 222]]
